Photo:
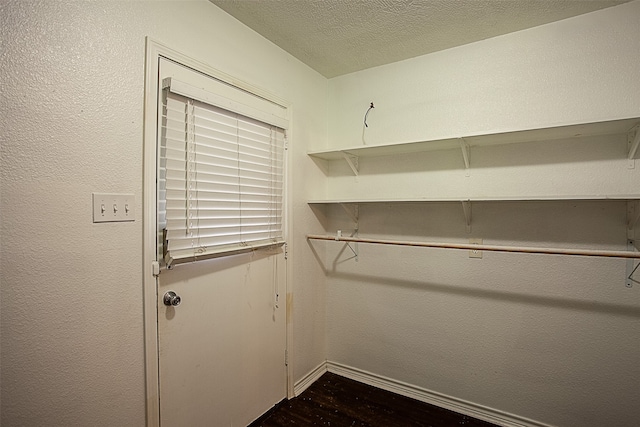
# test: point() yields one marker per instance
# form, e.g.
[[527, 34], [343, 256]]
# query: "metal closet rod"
[[469, 246]]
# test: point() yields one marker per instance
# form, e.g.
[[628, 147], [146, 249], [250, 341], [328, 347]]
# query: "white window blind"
[[221, 180]]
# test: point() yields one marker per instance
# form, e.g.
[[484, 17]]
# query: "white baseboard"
[[309, 379], [461, 406]]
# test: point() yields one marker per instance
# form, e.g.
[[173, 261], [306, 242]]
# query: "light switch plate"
[[109, 207], [475, 253]]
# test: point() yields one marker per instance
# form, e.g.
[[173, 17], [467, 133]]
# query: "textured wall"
[[553, 339], [71, 119], [544, 337], [576, 70]]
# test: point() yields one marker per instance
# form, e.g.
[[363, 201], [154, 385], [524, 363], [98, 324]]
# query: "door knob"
[[171, 299]]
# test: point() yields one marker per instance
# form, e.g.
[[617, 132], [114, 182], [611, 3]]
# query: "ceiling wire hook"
[[366, 114]]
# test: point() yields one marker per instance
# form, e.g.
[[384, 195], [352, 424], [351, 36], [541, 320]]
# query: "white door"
[[221, 351]]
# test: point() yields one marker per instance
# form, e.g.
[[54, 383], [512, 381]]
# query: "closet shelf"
[[623, 197], [612, 127]]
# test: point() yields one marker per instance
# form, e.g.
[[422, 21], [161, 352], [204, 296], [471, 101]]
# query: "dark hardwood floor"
[[337, 401]]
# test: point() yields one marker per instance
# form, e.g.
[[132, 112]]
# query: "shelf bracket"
[[353, 213], [352, 161], [632, 272], [633, 215], [465, 155], [634, 143], [466, 209]]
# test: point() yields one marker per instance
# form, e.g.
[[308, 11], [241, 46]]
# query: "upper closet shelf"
[[621, 197], [613, 127]]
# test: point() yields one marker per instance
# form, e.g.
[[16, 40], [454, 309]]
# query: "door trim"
[[149, 248], [154, 51]]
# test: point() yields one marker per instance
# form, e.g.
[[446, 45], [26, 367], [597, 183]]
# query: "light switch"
[[108, 207]]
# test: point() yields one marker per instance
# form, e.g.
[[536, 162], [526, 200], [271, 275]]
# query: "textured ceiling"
[[336, 37]]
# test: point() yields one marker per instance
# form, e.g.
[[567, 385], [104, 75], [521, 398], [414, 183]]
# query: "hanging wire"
[[366, 114]]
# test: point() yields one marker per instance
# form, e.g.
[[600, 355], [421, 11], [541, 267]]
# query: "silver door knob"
[[171, 299]]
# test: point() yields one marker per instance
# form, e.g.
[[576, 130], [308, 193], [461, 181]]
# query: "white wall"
[[576, 70], [547, 338], [71, 119]]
